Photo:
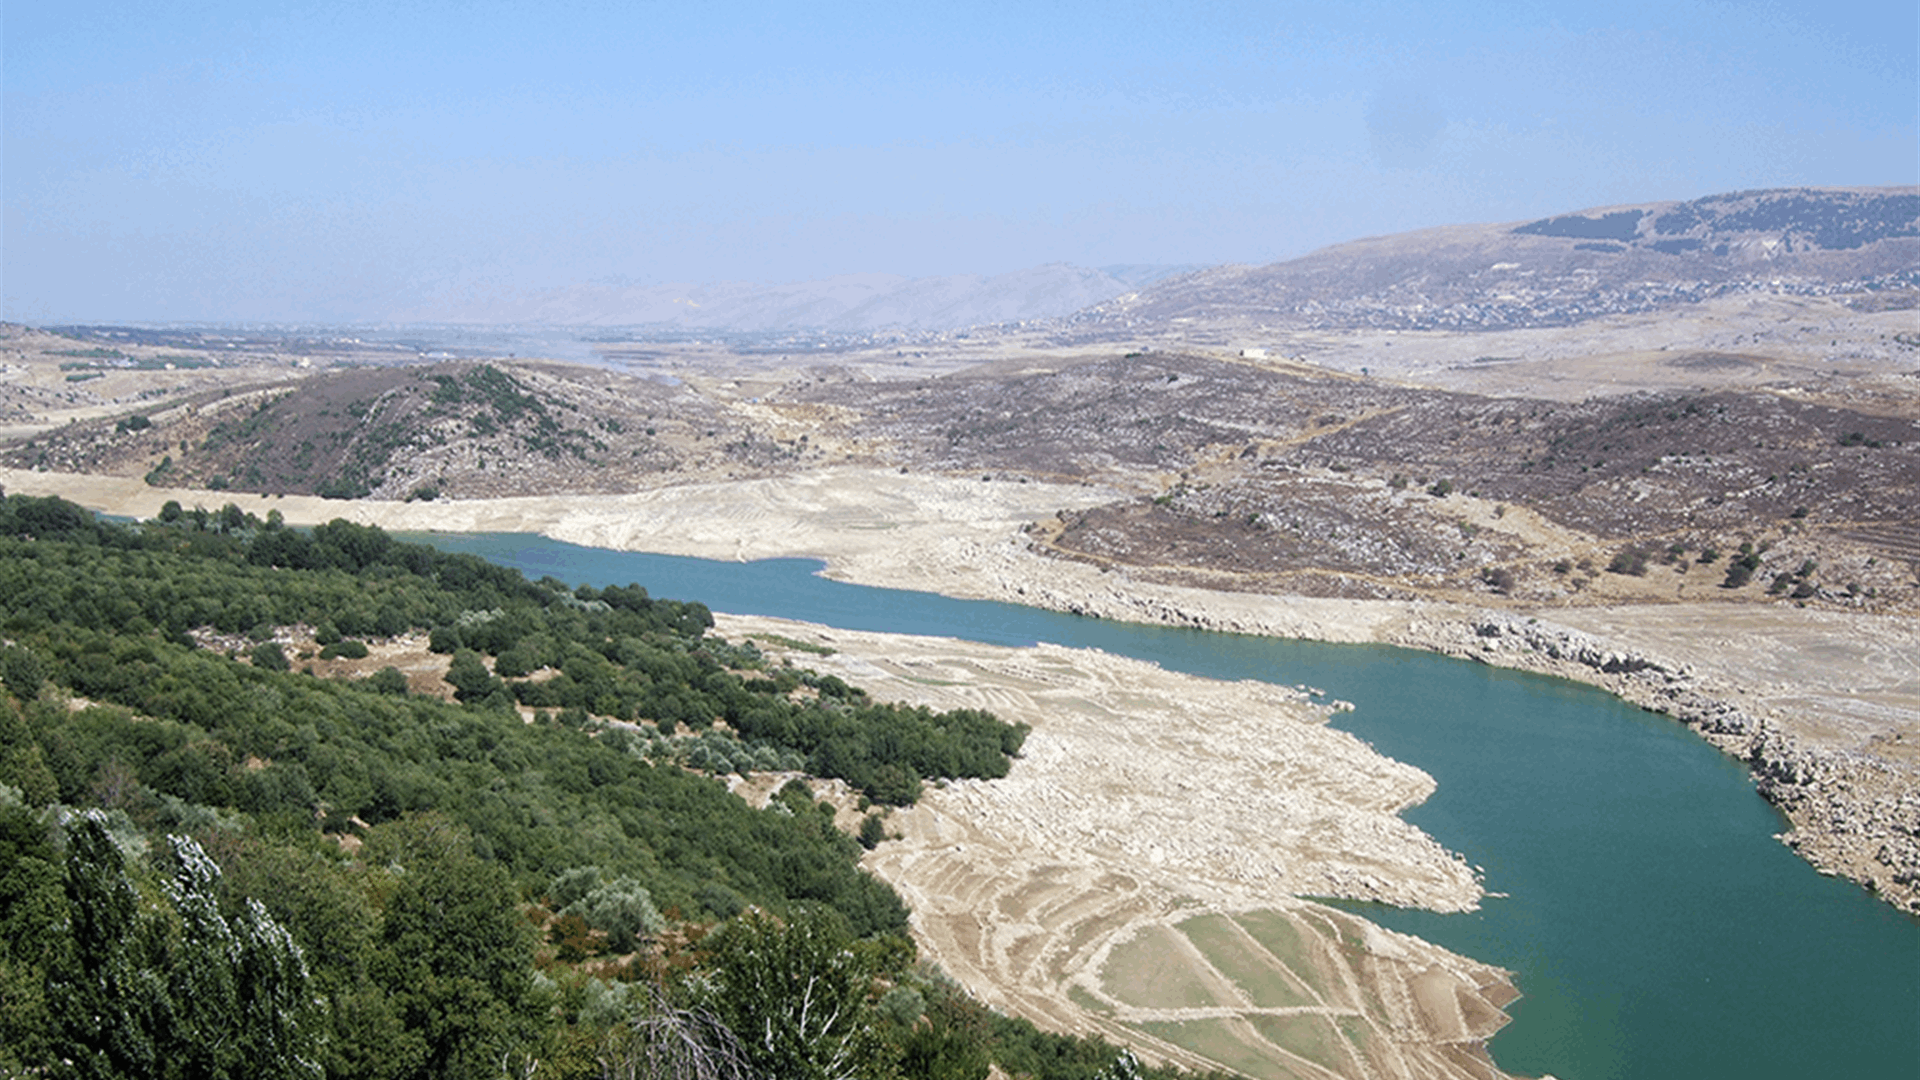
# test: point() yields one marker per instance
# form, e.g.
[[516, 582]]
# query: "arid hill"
[[1326, 485], [1247, 476], [1557, 271], [453, 429]]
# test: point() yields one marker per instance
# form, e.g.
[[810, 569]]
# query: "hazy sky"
[[346, 161]]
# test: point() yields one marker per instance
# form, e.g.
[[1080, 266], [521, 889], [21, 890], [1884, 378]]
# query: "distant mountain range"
[[848, 303], [1555, 271]]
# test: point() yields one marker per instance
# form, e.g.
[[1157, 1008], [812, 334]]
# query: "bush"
[[1630, 561], [269, 655], [469, 677], [388, 680], [517, 662], [622, 908], [345, 647]]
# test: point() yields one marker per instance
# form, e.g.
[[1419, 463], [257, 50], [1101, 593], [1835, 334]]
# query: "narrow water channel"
[[1652, 922]]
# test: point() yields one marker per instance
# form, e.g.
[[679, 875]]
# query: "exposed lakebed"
[[1650, 918]]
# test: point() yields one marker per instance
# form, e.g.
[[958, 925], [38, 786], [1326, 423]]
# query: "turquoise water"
[[1653, 924]]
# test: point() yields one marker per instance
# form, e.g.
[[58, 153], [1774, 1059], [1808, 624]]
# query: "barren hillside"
[[1556, 271]]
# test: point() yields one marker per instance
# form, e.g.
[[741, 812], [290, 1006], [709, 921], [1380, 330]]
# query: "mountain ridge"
[[1554, 271]]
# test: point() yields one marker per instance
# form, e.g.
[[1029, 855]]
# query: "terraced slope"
[[1136, 875]]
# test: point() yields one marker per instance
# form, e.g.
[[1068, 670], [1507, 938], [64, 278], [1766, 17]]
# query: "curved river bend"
[[1652, 922]]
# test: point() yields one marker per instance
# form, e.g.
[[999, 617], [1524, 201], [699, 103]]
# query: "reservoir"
[[1653, 923]]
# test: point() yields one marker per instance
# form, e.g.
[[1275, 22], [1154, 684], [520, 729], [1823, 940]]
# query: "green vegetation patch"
[[1311, 1037], [1280, 936], [795, 644], [1084, 998], [221, 867], [1222, 1041], [1153, 970], [1260, 976]]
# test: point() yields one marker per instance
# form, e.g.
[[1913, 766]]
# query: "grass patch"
[[1084, 998], [1217, 1040], [1261, 977], [1279, 936], [795, 644], [1154, 972], [1311, 1037]]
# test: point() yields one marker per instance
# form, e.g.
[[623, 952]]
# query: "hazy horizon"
[[347, 163]]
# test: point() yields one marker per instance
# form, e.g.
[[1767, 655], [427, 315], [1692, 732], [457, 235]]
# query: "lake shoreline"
[[1834, 745]]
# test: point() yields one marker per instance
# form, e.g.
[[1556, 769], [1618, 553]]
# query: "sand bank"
[[1166, 824]]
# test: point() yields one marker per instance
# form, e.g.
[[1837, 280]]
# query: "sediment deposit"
[[1159, 822]]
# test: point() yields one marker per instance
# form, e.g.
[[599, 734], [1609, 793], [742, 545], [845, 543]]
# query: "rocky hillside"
[[457, 430], [1553, 272], [1322, 484]]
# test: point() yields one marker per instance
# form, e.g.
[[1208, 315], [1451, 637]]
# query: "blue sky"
[[345, 161]]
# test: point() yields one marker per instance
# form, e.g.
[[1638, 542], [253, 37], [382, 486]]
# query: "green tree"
[[388, 680], [455, 956], [22, 670], [469, 677], [623, 909], [22, 763], [795, 993], [169, 986], [32, 904], [269, 656]]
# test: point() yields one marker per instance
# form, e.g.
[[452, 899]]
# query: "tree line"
[[212, 865]]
